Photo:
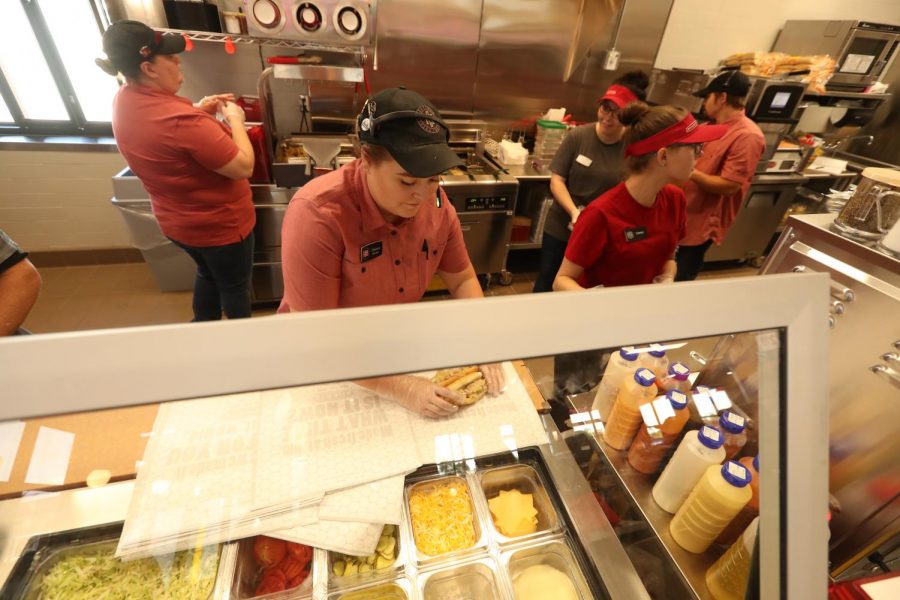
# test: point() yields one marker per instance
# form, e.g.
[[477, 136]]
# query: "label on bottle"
[[649, 416], [737, 470], [678, 397], [711, 433], [736, 419], [645, 377], [703, 404], [680, 369], [663, 408], [721, 400]]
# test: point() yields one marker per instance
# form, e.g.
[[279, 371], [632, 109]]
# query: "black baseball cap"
[[734, 83], [129, 43], [410, 128]]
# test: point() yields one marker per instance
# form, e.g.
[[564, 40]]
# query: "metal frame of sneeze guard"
[[71, 372]]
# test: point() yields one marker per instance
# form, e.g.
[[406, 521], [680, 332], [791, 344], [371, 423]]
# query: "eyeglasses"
[[609, 108], [697, 148]]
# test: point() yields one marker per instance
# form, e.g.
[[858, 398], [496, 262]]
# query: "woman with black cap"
[[194, 167], [378, 229]]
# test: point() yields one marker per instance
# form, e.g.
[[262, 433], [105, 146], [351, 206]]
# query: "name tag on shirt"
[[370, 251], [583, 160], [635, 234]]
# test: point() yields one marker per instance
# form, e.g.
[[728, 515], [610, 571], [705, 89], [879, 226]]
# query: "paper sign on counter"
[[50, 458], [10, 438]]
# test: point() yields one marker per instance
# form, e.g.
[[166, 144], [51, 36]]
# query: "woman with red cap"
[[628, 235], [194, 168], [589, 162]]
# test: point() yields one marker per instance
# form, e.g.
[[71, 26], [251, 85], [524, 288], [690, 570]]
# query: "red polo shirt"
[[620, 242], [174, 149], [339, 251], [734, 157]]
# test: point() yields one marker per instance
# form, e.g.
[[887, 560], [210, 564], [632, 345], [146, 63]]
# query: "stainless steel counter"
[[863, 378], [528, 171]]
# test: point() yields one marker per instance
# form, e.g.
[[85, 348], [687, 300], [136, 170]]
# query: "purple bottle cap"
[[735, 473], [677, 399], [645, 377], [657, 351], [756, 463], [710, 437], [628, 353], [732, 422], [679, 371]]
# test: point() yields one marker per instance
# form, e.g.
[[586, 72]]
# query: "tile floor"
[[126, 295]]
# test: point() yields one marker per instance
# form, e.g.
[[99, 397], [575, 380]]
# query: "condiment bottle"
[[625, 417], [717, 498], [733, 426], [749, 512], [727, 577], [676, 378], [652, 443], [620, 365], [656, 360], [697, 451]]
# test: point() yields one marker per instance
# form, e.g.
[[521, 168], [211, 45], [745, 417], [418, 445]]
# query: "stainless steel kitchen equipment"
[[874, 208], [863, 51], [863, 376], [341, 22], [677, 87], [150, 12], [762, 209], [484, 196], [173, 269]]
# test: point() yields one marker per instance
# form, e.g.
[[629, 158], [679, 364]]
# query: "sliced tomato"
[[273, 580], [298, 579], [301, 552], [268, 551], [291, 567]]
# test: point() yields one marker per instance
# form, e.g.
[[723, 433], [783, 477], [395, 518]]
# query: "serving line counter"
[[531, 503]]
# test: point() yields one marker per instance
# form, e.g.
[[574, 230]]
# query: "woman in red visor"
[[628, 235]]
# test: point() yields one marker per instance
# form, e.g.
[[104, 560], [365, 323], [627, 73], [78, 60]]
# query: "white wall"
[[702, 32], [54, 200]]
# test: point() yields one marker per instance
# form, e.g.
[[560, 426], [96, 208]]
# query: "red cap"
[[619, 95], [686, 131]]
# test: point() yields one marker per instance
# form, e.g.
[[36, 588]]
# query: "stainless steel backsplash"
[[496, 61]]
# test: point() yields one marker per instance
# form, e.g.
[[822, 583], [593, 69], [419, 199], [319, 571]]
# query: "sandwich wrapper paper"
[[322, 465]]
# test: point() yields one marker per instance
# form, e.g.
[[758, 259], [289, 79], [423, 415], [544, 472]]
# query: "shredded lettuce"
[[188, 575]]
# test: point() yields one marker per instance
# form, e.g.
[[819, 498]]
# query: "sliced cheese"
[[513, 513]]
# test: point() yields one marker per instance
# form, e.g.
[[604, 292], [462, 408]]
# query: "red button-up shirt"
[[734, 157], [339, 251], [175, 149]]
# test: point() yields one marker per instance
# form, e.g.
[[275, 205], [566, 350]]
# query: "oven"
[[863, 51], [484, 196]]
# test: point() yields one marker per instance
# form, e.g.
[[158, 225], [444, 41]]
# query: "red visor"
[[686, 131], [619, 95]]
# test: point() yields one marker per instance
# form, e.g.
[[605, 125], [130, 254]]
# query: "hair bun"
[[633, 113], [107, 66], [635, 79]]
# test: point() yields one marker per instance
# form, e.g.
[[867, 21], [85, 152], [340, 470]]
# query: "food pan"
[[248, 576], [456, 515], [526, 480], [72, 564], [375, 574], [462, 581], [522, 564]]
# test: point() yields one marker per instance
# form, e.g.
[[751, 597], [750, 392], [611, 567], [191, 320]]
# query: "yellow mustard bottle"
[[727, 577]]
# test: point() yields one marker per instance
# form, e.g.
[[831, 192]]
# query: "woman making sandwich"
[[378, 229]]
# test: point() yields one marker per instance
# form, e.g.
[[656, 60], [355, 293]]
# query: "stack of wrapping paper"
[[321, 465]]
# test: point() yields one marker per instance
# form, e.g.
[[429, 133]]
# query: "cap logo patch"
[[691, 126], [427, 125], [366, 124]]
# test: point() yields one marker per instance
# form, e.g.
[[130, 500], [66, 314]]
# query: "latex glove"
[[212, 104], [494, 377], [419, 395], [664, 279], [233, 112]]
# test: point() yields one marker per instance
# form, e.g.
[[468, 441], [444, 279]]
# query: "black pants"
[[690, 261], [553, 250], [223, 279]]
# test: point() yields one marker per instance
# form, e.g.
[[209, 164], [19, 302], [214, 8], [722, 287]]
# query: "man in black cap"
[[722, 174], [378, 229]]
